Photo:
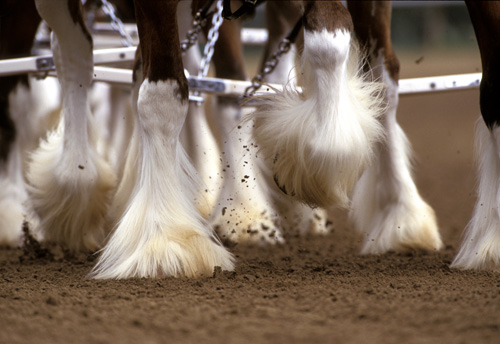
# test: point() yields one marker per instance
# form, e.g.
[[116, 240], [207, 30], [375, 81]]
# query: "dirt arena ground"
[[311, 290]]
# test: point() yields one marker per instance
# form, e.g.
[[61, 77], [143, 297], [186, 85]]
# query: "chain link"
[[192, 35], [116, 23], [257, 81], [213, 35]]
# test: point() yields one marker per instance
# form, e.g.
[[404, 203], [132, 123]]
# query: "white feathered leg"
[[386, 206], [31, 110], [296, 217], [197, 137], [244, 211], [112, 110], [202, 148], [70, 184], [12, 192], [480, 248], [161, 233], [321, 139]]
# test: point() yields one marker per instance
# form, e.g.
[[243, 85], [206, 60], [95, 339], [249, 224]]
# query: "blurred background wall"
[[430, 38]]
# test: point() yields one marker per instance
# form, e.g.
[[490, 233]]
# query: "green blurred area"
[[419, 24], [426, 36], [431, 25]]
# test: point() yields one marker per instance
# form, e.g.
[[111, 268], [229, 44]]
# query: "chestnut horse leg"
[[244, 210], [296, 217], [480, 248], [322, 138], [70, 184], [161, 233], [197, 136], [386, 206], [18, 24]]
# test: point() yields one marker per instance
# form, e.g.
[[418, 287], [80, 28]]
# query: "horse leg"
[[480, 248], [296, 217], [18, 24], [161, 233], [321, 139], [244, 210], [197, 137], [70, 184], [386, 207]]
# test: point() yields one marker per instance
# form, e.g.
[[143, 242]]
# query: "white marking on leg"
[[244, 211], [296, 217], [386, 206], [32, 111], [199, 142], [161, 233], [322, 138], [70, 184]]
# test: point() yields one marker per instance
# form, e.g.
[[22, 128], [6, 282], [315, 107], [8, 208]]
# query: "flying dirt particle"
[[419, 60], [81, 167], [224, 211]]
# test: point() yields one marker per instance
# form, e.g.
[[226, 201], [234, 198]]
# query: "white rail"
[[236, 88], [44, 64]]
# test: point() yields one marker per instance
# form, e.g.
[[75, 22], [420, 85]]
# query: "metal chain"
[[213, 35], [192, 35], [257, 81], [208, 51], [116, 23]]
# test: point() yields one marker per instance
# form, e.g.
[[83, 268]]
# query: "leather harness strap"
[[247, 6]]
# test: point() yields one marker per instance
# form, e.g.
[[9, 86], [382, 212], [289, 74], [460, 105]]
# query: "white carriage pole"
[[236, 88], [439, 83], [45, 63], [38, 64]]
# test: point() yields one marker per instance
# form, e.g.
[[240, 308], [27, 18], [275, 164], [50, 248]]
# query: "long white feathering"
[[480, 247], [70, 194], [321, 139], [161, 233]]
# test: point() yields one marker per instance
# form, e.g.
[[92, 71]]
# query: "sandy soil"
[[313, 289]]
